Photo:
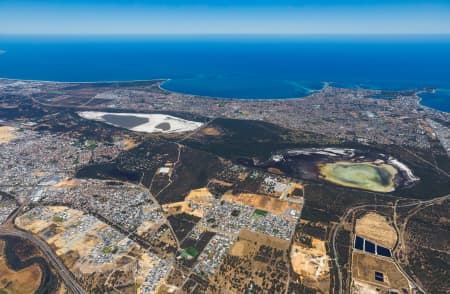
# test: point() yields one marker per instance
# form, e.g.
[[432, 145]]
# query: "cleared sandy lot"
[[6, 134], [376, 228], [201, 197], [365, 265], [263, 202]]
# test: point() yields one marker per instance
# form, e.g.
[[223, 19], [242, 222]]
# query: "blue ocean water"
[[238, 66], [440, 99]]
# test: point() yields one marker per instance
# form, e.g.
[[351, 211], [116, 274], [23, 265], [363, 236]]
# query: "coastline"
[[160, 86], [93, 82], [420, 99], [326, 84]]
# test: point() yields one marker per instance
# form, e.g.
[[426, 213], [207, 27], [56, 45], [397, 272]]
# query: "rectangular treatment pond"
[[359, 243], [383, 251], [370, 247]]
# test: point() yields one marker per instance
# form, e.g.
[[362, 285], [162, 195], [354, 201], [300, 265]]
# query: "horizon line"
[[231, 34]]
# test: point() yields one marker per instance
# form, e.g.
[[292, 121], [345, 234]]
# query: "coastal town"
[[349, 116]]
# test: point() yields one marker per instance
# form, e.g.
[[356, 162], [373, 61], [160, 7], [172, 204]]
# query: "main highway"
[[8, 229]]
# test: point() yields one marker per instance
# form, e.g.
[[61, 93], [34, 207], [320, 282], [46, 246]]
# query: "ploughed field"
[[368, 176]]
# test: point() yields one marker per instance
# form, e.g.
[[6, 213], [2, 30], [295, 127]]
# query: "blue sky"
[[224, 17]]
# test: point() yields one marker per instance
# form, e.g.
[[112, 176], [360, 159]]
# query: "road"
[[8, 229], [154, 197]]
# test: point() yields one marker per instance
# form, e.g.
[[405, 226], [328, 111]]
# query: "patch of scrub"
[[363, 175], [26, 280], [140, 122]]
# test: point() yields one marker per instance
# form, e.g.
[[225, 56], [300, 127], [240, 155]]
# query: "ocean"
[[245, 67]]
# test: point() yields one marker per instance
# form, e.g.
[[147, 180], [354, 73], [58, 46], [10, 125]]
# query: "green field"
[[368, 176], [260, 212], [58, 219], [106, 250], [190, 252]]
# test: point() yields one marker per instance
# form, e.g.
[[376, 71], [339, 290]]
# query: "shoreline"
[[93, 82], [326, 84], [419, 100], [160, 86]]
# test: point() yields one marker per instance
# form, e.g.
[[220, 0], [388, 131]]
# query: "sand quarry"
[[146, 123], [311, 263]]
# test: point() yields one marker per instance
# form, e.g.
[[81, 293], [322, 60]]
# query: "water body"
[[125, 121], [365, 245], [440, 99], [238, 66], [368, 176]]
